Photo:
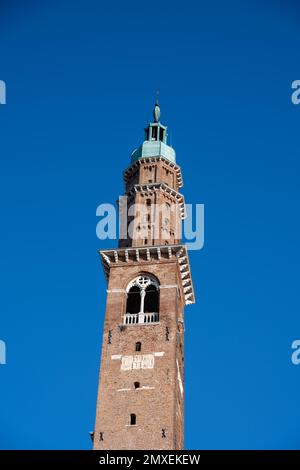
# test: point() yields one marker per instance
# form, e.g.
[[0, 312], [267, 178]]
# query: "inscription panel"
[[141, 361]]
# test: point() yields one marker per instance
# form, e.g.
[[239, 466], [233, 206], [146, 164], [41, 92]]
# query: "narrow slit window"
[[132, 419], [138, 346]]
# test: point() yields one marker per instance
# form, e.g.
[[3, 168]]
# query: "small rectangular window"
[[132, 419]]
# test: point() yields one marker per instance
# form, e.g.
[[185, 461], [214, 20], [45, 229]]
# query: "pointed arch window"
[[151, 299], [142, 304], [133, 300]]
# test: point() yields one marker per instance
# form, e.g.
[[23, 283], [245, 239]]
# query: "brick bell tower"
[[141, 386]]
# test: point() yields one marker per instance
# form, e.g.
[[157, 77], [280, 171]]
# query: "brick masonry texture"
[[158, 403], [145, 175]]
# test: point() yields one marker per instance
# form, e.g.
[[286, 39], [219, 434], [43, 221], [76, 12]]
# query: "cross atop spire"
[[156, 97]]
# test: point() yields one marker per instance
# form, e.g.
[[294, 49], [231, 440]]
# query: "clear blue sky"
[[81, 78]]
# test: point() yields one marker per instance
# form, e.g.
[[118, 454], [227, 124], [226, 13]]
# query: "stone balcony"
[[140, 318]]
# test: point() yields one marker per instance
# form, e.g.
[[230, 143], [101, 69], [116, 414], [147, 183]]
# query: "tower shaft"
[[140, 402]]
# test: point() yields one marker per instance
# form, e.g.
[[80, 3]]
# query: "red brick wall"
[[159, 405]]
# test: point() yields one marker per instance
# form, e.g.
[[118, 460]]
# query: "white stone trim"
[[169, 286], [173, 165], [115, 291], [148, 188], [143, 281], [153, 254], [144, 387], [179, 378]]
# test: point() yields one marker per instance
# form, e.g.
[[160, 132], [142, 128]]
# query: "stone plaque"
[[141, 361]]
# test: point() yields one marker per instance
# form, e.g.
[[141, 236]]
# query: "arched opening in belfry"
[[151, 299], [133, 300], [142, 305], [154, 133]]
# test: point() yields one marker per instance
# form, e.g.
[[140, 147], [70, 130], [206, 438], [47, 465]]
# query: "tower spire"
[[156, 139]]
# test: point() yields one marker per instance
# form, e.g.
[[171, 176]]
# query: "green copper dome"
[[155, 143]]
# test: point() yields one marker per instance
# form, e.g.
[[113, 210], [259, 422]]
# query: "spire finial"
[[156, 111], [156, 97]]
